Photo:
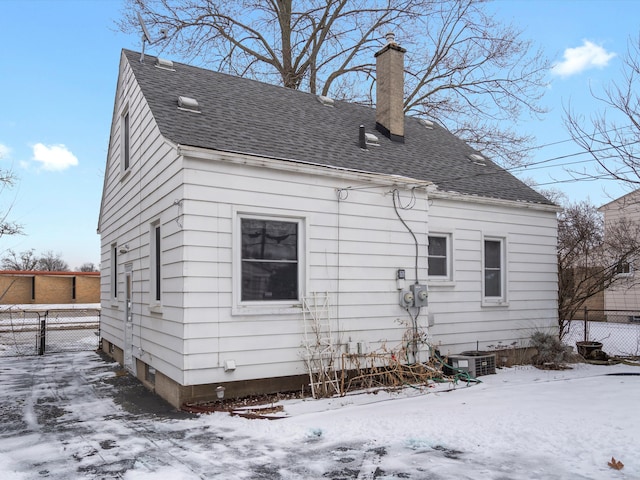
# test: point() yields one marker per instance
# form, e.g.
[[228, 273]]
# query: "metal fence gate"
[[36, 332]]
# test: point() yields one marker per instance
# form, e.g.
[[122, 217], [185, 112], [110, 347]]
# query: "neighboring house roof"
[[624, 199], [246, 116]]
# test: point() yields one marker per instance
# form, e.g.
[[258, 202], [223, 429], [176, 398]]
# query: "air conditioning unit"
[[475, 363]]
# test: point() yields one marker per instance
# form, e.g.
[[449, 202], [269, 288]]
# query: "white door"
[[129, 363]]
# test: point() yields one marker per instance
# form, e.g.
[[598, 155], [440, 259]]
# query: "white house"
[[237, 217]]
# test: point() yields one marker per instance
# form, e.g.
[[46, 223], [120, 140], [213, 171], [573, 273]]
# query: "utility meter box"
[[420, 295], [406, 298]]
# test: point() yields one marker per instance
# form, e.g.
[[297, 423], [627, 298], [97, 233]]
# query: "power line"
[[569, 155], [572, 139]]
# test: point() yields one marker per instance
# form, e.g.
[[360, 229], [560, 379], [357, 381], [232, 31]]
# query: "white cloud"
[[577, 60], [54, 157]]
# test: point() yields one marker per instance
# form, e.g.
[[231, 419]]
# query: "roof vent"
[[371, 139], [428, 124], [164, 64], [326, 101], [478, 159], [188, 104]]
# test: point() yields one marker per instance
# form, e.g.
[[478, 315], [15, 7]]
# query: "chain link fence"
[[36, 332], [617, 330]]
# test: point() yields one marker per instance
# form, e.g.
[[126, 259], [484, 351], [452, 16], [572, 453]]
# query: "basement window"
[[150, 374]]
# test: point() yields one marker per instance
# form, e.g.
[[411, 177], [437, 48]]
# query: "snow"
[[73, 415]]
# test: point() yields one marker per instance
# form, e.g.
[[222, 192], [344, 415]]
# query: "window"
[[439, 255], [114, 271], [624, 269], [33, 288], [155, 262], [269, 257], [73, 288], [126, 146], [494, 273]]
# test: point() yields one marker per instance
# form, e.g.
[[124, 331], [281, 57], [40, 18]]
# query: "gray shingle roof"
[[247, 116]]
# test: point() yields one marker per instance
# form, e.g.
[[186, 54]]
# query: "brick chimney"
[[390, 90]]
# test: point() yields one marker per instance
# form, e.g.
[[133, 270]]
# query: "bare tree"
[[589, 261], [51, 262], [612, 136], [465, 70], [7, 180], [23, 261], [88, 267]]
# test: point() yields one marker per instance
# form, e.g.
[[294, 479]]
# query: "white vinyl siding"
[[462, 317], [130, 204], [349, 248]]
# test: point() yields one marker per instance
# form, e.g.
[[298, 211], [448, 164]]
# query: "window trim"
[[630, 270], [449, 277], [502, 299], [125, 141], [259, 307], [113, 274], [155, 266]]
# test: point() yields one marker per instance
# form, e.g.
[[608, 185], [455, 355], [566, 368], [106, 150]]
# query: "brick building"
[[35, 287]]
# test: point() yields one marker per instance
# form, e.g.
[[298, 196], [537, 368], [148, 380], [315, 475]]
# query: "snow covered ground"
[[74, 415]]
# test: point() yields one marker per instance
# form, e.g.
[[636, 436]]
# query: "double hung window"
[[269, 259], [494, 270], [439, 257]]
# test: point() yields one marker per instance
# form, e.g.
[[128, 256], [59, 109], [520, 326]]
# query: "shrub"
[[550, 349]]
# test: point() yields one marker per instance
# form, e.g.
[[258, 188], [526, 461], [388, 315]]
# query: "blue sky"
[[58, 71]]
